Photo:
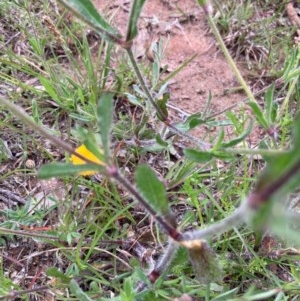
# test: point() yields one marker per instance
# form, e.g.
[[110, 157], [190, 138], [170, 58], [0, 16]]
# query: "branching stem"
[[113, 172]]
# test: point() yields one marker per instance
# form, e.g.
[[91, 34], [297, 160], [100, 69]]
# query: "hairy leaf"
[[205, 263], [86, 11], [135, 12], [240, 138], [64, 169], [258, 114], [197, 156], [78, 292], [152, 189], [105, 112]]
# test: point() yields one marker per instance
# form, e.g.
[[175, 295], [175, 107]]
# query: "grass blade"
[[105, 112], [258, 114], [78, 292], [135, 12], [87, 12], [197, 156], [65, 169], [240, 138]]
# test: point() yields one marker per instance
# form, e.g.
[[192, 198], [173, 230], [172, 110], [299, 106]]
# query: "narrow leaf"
[[197, 156], [135, 12], [160, 141], [49, 88], [54, 272], [269, 99], [105, 111], [91, 148], [87, 12], [240, 138], [258, 114], [191, 122], [152, 189], [133, 100], [222, 155], [64, 169], [175, 72], [220, 140], [78, 292], [205, 263], [281, 176], [162, 104]]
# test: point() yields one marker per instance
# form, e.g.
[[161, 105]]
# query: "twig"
[[27, 233], [13, 294], [8, 197]]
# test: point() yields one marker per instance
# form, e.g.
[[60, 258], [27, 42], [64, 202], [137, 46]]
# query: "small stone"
[[30, 164]]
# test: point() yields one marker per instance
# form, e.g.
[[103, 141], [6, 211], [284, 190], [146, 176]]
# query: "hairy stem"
[[228, 57], [113, 172], [27, 233], [233, 220], [142, 82], [14, 294], [26, 119]]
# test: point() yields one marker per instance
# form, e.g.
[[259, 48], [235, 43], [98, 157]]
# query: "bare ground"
[[182, 24]]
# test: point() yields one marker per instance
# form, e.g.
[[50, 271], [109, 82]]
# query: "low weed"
[[151, 212]]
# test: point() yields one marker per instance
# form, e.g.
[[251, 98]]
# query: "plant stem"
[[202, 145], [27, 233], [253, 152], [160, 113], [142, 82], [227, 55], [229, 58], [162, 265], [26, 119], [233, 220], [13, 294], [113, 172]]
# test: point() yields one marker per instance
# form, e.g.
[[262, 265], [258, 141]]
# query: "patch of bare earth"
[[183, 25]]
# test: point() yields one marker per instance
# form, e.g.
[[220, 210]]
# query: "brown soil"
[[183, 23]]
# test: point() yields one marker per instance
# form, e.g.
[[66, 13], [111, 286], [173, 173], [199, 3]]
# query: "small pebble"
[[30, 164]]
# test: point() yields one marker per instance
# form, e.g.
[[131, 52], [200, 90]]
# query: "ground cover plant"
[[122, 212]]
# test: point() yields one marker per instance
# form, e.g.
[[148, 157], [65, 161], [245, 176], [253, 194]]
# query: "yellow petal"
[[82, 150]]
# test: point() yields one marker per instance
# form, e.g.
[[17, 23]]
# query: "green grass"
[[102, 239]]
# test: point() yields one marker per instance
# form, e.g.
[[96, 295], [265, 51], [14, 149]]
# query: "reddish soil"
[[183, 23]]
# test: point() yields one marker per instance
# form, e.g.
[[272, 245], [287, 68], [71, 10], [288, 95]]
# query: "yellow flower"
[[82, 150]]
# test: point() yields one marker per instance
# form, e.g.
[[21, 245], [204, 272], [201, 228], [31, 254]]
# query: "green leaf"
[[133, 100], [64, 169], [222, 155], [152, 189], [197, 156], [191, 122], [89, 140], [105, 112], [281, 176], [205, 263], [283, 165], [160, 141], [173, 74], [54, 272], [136, 9], [269, 99], [220, 140], [258, 114], [78, 292], [49, 88], [87, 12], [162, 104], [240, 138]]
